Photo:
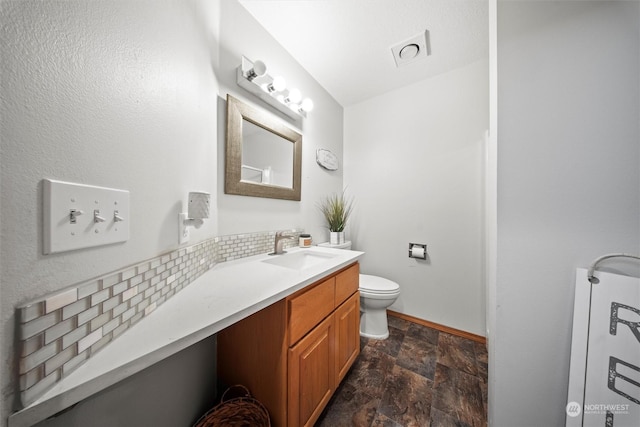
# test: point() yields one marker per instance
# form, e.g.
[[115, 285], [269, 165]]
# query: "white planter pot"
[[336, 237]]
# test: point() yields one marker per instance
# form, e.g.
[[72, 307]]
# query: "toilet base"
[[373, 324], [375, 337]]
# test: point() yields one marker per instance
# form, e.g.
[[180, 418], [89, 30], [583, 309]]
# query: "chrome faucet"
[[277, 244]]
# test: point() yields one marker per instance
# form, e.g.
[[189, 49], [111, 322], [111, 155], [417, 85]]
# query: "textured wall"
[[130, 95], [110, 93]]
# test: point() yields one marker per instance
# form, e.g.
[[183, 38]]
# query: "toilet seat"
[[378, 285]]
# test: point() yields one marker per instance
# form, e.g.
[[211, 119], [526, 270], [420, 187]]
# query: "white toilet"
[[376, 294]]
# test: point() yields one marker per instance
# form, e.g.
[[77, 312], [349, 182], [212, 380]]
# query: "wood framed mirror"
[[263, 156]]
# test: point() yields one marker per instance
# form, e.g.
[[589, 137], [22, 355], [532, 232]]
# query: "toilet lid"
[[378, 285]]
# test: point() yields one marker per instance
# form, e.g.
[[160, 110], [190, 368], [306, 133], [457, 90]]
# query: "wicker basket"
[[236, 408]]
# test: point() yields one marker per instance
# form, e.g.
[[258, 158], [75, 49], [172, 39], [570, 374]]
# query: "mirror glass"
[[266, 157], [263, 156]]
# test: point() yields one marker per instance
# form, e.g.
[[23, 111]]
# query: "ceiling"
[[346, 44]]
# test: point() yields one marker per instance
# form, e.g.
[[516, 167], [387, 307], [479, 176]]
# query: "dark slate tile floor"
[[418, 377]]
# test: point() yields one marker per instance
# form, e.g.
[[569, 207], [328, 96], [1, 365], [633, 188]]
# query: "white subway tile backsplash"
[[75, 335], [110, 280], [128, 314], [155, 280], [30, 312], [57, 301], [75, 308], [32, 344], [58, 360], [110, 303], [136, 318], [38, 357], [87, 315], [143, 305], [111, 325], [149, 292], [100, 296], [135, 280], [120, 329], [101, 343], [74, 363], [99, 321], [135, 300], [154, 297], [58, 332], [144, 286], [142, 268], [129, 293], [120, 308], [32, 377], [89, 340], [150, 308], [38, 325], [127, 274], [88, 289], [119, 288]]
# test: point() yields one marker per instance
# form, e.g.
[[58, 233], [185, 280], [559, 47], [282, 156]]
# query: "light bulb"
[[294, 96], [277, 85], [259, 69], [307, 105], [283, 96]]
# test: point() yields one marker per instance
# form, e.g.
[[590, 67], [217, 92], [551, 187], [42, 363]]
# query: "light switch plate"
[[80, 216]]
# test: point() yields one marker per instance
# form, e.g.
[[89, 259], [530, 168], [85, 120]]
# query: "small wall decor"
[[326, 159]]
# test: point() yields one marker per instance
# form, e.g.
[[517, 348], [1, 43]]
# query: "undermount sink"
[[299, 260]]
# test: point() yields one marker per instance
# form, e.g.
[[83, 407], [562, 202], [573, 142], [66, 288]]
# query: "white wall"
[[116, 94], [174, 393], [241, 35], [568, 185], [129, 95], [414, 162]]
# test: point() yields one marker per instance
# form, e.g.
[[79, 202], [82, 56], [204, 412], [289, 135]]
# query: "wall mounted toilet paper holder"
[[417, 250]]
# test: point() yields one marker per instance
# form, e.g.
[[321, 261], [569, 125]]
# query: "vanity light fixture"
[[253, 77], [198, 210]]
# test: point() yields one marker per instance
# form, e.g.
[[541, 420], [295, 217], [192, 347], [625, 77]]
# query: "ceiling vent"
[[417, 47]]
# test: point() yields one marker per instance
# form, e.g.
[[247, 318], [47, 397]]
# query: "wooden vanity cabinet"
[[293, 354]]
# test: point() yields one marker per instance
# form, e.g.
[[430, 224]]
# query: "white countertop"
[[225, 294]]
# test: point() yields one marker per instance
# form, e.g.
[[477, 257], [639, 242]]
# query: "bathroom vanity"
[[286, 323], [293, 354]]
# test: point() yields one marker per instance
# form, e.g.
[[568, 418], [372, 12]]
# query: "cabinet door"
[[311, 374], [347, 321]]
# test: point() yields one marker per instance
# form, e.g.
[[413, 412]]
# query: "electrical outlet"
[[183, 230]]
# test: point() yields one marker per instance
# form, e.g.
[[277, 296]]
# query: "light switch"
[[80, 216]]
